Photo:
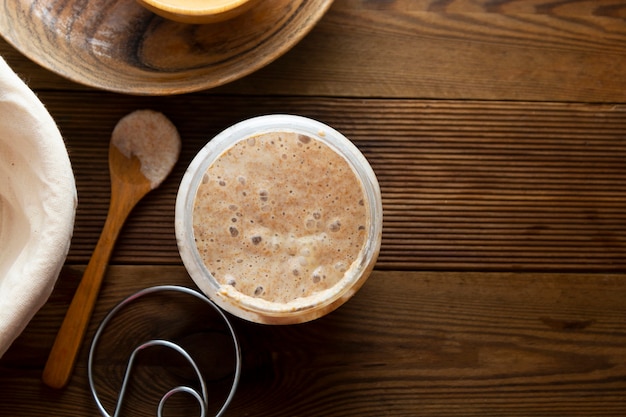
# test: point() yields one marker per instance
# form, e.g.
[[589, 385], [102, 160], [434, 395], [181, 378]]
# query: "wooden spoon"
[[144, 148]]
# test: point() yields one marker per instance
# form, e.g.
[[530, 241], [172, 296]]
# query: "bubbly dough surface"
[[280, 216]]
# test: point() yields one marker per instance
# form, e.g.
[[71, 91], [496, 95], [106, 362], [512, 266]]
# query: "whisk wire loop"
[[201, 396]]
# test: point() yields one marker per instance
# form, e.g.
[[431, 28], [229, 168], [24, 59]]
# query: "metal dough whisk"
[[200, 395]]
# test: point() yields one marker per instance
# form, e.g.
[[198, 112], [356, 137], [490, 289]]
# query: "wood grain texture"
[[408, 344], [507, 50], [497, 130], [465, 185]]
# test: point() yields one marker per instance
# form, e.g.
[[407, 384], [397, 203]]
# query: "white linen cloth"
[[37, 205]]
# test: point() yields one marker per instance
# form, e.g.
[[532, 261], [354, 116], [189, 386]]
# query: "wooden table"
[[498, 133]]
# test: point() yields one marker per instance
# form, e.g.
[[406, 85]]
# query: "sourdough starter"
[[280, 216]]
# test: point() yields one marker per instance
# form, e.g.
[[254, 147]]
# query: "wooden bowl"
[[120, 46], [198, 11]]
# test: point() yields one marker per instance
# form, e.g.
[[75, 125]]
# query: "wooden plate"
[[117, 45]]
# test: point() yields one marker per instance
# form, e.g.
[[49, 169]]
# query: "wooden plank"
[[460, 49], [466, 185], [408, 343]]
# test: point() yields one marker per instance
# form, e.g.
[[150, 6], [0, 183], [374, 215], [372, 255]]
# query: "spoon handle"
[[69, 339]]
